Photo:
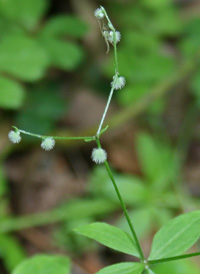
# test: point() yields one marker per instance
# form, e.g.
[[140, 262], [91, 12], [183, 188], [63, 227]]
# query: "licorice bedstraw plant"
[[173, 239]]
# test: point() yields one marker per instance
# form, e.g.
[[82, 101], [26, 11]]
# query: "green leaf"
[[156, 4], [64, 25], [103, 130], [23, 12], [12, 94], [151, 272], [22, 57], [158, 161], [131, 188], [177, 236], [43, 264], [63, 54], [44, 106], [10, 251], [178, 267], [122, 268], [109, 236], [190, 42]]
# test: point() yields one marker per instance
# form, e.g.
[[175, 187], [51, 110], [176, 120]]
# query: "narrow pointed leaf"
[[177, 236], [123, 268], [109, 236], [103, 130]]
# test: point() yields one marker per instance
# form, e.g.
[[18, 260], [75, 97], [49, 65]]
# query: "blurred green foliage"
[[44, 264], [29, 47], [43, 108], [156, 41], [144, 57]]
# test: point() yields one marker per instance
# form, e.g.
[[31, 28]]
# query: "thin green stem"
[[91, 138], [110, 25], [115, 54], [108, 19], [125, 211], [105, 111], [123, 205], [116, 72], [152, 262]]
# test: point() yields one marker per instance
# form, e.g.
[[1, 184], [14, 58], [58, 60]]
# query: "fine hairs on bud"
[[111, 36], [48, 143], [14, 136], [99, 14], [99, 155], [118, 82]]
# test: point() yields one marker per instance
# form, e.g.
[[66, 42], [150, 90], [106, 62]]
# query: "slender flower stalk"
[[123, 205]]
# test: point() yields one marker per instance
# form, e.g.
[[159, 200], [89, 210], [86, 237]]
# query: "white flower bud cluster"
[[14, 136], [99, 155], [99, 14], [111, 36], [118, 82], [48, 143]]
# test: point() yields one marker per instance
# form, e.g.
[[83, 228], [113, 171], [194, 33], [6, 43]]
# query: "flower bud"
[[48, 143], [14, 136], [99, 13], [99, 155], [111, 36], [118, 82]]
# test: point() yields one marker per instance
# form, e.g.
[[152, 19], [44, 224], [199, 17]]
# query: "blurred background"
[[54, 79]]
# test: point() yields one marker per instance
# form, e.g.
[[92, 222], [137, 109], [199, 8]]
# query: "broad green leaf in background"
[[123, 268], [11, 251], [156, 4], [12, 94], [64, 25], [166, 22], [189, 45], [109, 236], [65, 238], [180, 267], [176, 236], [43, 264], [157, 160], [7, 27], [43, 108], [131, 188], [23, 12], [63, 54], [161, 214], [22, 57]]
